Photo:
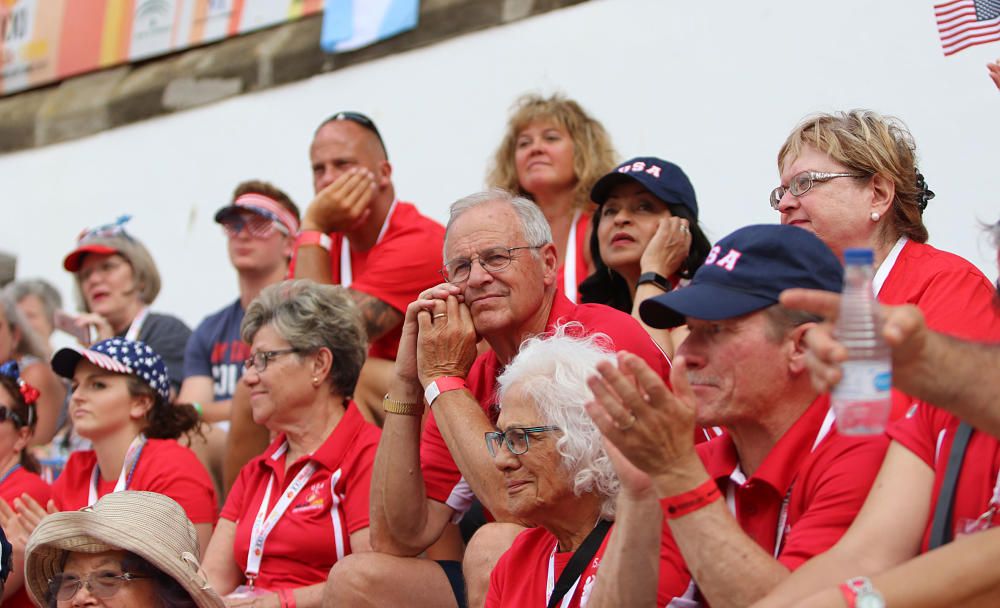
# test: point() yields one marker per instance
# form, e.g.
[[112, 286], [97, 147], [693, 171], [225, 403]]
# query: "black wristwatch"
[[656, 279]]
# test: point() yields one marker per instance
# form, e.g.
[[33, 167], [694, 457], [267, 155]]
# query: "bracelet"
[[402, 408], [655, 279], [690, 501], [442, 385], [314, 237], [197, 407]]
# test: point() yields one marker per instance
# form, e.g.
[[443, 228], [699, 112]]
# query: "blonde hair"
[[866, 142], [144, 272], [593, 154]]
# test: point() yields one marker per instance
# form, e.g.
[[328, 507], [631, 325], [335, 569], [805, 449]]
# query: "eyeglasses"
[[7, 413], [803, 182], [360, 119], [256, 225], [259, 359], [516, 439], [102, 584], [492, 260]]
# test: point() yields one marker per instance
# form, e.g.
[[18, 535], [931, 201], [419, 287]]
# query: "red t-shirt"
[[826, 484], [929, 432], [165, 467], [955, 297], [315, 530], [17, 483], [403, 263], [441, 475]]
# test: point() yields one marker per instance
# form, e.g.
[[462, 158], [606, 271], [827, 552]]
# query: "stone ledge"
[[118, 96]]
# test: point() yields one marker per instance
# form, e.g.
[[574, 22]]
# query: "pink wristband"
[[442, 385], [287, 598]]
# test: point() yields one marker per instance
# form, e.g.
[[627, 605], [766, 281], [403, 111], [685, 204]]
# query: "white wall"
[[714, 86]]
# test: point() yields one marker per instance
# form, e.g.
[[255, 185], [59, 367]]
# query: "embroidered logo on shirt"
[[315, 499]]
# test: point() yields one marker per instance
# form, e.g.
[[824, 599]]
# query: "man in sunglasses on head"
[[260, 225], [356, 233]]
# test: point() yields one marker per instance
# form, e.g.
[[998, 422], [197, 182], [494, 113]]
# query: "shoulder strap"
[[941, 527], [581, 557]]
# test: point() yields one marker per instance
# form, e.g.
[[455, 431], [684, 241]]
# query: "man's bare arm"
[[380, 318]]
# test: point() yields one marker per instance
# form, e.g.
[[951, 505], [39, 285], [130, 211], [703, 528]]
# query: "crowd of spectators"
[[567, 396]]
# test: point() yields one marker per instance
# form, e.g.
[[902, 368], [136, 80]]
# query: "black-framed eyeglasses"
[[260, 359], [492, 260], [516, 438], [360, 119], [102, 584], [7, 413], [803, 182]]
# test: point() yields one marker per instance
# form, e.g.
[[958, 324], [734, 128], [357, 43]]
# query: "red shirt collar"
[[785, 459], [329, 455]]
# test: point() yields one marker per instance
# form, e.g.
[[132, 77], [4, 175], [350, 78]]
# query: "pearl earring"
[[875, 216], [315, 381]]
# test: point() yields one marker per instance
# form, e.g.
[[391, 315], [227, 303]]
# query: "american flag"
[[964, 23]]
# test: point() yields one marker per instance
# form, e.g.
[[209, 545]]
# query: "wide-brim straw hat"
[[150, 525]]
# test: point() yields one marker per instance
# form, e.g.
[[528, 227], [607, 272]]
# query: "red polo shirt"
[[17, 483], [827, 484], [955, 297], [441, 475], [315, 530], [403, 263], [929, 432], [165, 467]]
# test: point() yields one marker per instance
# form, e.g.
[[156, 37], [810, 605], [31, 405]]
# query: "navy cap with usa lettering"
[[746, 271], [664, 180]]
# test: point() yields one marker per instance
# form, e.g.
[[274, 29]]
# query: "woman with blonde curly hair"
[[552, 153]]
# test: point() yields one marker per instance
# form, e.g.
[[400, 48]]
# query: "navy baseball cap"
[[119, 356], [664, 180], [747, 271]]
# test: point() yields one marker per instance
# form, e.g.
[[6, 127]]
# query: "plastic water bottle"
[[861, 402]]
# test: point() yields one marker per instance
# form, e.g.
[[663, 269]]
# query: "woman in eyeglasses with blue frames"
[[18, 468]]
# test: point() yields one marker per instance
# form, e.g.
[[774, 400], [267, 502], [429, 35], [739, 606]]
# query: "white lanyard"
[[569, 263], [550, 582], [346, 276], [824, 430], [133, 329], [886, 266], [264, 523], [128, 467]]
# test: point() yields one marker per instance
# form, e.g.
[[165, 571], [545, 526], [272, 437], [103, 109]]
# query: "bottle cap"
[[861, 255]]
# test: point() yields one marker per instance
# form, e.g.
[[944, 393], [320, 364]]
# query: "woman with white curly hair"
[[557, 472]]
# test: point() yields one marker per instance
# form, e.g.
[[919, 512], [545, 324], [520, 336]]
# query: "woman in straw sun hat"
[[128, 549]]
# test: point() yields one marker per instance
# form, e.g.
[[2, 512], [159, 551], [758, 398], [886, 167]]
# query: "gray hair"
[[41, 289], [144, 272], [553, 370], [535, 227], [29, 344], [311, 316]]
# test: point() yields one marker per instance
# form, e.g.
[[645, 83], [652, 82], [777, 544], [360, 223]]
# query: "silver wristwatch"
[[865, 595]]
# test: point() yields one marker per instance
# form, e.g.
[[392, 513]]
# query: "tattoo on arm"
[[380, 318]]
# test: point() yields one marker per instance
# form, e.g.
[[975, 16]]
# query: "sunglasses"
[[7, 413], [257, 225], [359, 119]]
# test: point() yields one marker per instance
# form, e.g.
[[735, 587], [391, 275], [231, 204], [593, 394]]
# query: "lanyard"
[[133, 329], [779, 539], [886, 266], [264, 523], [569, 263], [128, 469], [346, 277], [581, 562], [14, 468]]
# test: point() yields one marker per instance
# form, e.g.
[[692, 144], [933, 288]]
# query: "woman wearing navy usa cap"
[[121, 402], [646, 239]]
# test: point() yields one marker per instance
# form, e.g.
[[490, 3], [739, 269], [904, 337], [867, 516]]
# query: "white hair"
[[535, 227], [553, 370]]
